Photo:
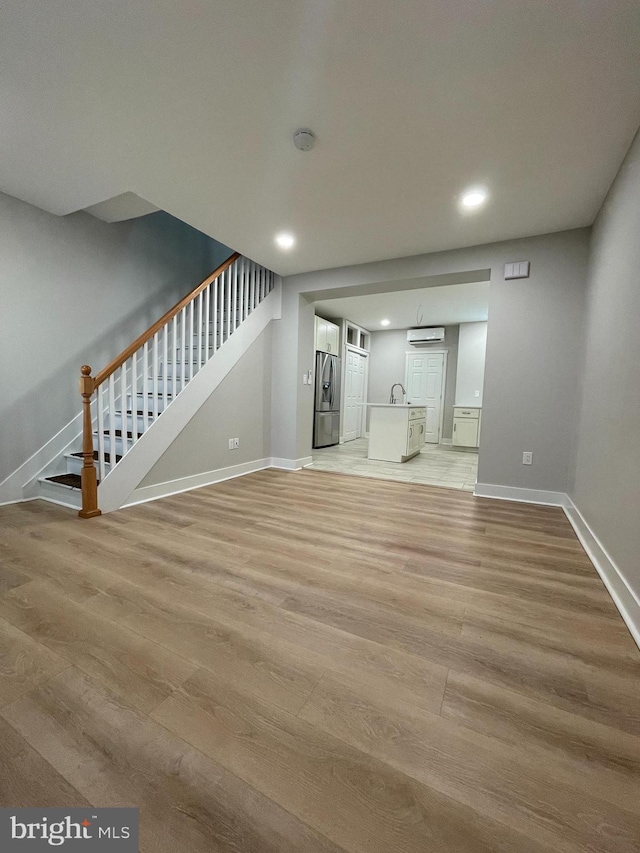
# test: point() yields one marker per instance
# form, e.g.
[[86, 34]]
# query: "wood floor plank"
[[337, 789], [26, 779], [307, 661], [534, 798], [584, 640], [24, 663], [116, 756], [604, 758], [46, 552], [11, 577], [142, 672], [279, 659]]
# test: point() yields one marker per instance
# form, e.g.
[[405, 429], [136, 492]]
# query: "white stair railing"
[[147, 377]]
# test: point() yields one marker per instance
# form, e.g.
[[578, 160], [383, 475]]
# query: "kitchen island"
[[396, 431]]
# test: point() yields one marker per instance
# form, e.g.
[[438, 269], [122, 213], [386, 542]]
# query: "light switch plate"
[[517, 270]]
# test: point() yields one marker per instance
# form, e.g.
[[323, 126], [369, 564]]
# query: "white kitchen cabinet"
[[396, 432], [466, 426], [327, 336]]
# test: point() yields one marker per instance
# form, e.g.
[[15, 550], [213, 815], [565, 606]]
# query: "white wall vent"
[[425, 336]]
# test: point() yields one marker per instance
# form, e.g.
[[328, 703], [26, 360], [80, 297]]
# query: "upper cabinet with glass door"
[[327, 336]]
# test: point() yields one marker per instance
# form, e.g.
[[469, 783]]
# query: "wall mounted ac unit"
[[425, 336]]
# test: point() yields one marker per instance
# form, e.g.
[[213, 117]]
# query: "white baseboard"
[[208, 478], [12, 488], [19, 501], [195, 481], [514, 493], [291, 464], [623, 596]]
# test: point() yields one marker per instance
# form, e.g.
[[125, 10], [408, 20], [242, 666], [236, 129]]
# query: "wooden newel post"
[[88, 475]]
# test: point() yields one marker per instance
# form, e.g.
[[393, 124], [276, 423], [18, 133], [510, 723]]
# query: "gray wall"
[[239, 407], [534, 349], [387, 364], [76, 290], [472, 355], [607, 483]]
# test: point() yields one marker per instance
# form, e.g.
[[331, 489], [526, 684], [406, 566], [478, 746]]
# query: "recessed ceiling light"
[[384, 322], [285, 241], [474, 198]]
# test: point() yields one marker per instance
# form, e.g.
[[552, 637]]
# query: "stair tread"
[[107, 457], [73, 481]]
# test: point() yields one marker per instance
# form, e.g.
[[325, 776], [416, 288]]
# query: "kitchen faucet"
[[392, 399]]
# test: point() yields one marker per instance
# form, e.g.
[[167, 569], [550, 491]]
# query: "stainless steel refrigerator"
[[326, 421]]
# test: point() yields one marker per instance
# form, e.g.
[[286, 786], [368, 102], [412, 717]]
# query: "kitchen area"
[[403, 403]]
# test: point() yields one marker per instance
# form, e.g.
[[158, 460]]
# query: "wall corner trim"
[[515, 493], [291, 464], [624, 598]]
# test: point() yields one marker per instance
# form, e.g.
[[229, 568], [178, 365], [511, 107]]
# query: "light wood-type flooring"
[[435, 465], [313, 663]]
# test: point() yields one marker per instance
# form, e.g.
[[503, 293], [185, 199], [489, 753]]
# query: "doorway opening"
[[411, 389]]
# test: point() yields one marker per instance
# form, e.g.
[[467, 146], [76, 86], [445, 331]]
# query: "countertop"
[[398, 405], [466, 406]]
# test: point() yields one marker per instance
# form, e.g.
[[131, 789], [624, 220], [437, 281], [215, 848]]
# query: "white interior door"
[[425, 386], [354, 395]]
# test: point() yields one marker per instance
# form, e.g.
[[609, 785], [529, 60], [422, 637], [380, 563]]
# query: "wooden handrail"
[[117, 362], [88, 384]]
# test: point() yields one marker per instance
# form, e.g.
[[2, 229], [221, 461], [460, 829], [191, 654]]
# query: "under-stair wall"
[[240, 407], [119, 486]]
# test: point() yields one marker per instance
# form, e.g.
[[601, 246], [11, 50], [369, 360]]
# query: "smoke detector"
[[304, 139]]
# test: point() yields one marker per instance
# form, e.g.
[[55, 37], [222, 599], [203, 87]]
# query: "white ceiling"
[[439, 306], [192, 105]]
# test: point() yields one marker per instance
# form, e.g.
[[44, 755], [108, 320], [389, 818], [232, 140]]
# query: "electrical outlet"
[[527, 457], [231, 444], [476, 393], [236, 443]]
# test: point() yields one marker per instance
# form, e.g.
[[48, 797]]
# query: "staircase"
[[128, 397]]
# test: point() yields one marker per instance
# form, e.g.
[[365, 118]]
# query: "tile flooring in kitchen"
[[436, 465]]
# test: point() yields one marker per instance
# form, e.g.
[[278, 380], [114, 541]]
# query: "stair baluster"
[[146, 378]]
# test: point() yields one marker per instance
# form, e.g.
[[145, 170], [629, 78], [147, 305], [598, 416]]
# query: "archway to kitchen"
[[398, 379]]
